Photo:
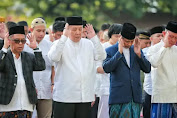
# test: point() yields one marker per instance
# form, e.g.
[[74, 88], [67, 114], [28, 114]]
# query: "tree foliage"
[[92, 10]]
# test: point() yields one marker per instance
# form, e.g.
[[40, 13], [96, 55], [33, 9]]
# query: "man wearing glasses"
[[17, 88]]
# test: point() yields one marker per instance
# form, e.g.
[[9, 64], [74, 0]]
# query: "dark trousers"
[[146, 105], [72, 110], [94, 109]]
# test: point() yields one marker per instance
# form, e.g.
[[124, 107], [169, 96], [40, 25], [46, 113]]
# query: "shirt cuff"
[[95, 39], [63, 38], [4, 50]]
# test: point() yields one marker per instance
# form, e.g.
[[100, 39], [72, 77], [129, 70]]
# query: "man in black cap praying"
[[17, 89], [75, 69], [162, 57], [124, 62]]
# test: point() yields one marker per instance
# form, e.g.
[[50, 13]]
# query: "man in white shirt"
[[156, 36], [17, 88], [44, 80], [74, 80], [162, 57], [103, 109]]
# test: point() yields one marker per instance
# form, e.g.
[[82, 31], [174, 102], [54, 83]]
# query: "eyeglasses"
[[18, 41]]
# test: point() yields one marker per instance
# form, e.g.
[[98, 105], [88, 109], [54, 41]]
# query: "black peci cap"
[[144, 35], [128, 31], [16, 30], [60, 18], [172, 26], [157, 29], [74, 20], [22, 23]]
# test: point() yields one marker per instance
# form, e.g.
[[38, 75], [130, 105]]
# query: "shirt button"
[[16, 76], [15, 84]]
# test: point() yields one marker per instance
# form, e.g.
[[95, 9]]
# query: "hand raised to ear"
[[121, 45], [137, 47], [33, 43], [90, 31], [66, 30], [6, 41]]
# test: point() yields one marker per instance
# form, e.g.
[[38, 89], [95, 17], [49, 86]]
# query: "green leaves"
[[94, 11]]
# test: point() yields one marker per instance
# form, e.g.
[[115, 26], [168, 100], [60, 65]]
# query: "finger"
[[28, 36], [7, 34], [66, 26], [136, 42], [32, 35]]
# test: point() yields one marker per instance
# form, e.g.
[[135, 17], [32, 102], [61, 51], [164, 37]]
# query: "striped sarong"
[[164, 110], [129, 110]]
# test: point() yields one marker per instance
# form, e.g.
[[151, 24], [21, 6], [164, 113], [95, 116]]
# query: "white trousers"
[[103, 107]]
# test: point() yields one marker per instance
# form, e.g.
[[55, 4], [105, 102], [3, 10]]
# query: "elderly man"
[[164, 83], [17, 88], [156, 36], [75, 72], [124, 63]]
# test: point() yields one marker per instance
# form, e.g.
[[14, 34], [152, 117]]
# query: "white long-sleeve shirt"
[[105, 78], [42, 79], [20, 99], [164, 82], [147, 85], [74, 80]]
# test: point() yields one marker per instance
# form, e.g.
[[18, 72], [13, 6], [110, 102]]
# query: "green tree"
[[94, 11]]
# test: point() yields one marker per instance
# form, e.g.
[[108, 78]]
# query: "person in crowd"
[[25, 24], [162, 57], [124, 62], [103, 110], [104, 27], [74, 80], [44, 80], [84, 32], [17, 89], [2, 31], [57, 30], [144, 39], [155, 37]]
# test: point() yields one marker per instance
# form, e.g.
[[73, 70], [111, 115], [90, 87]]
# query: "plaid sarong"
[[16, 114], [128, 110]]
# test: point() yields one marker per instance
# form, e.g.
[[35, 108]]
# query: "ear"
[[164, 33], [150, 38], [31, 29]]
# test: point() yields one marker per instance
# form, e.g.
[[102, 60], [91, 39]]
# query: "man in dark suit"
[[17, 89], [124, 63]]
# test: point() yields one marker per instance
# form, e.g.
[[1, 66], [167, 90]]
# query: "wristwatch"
[[37, 48]]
